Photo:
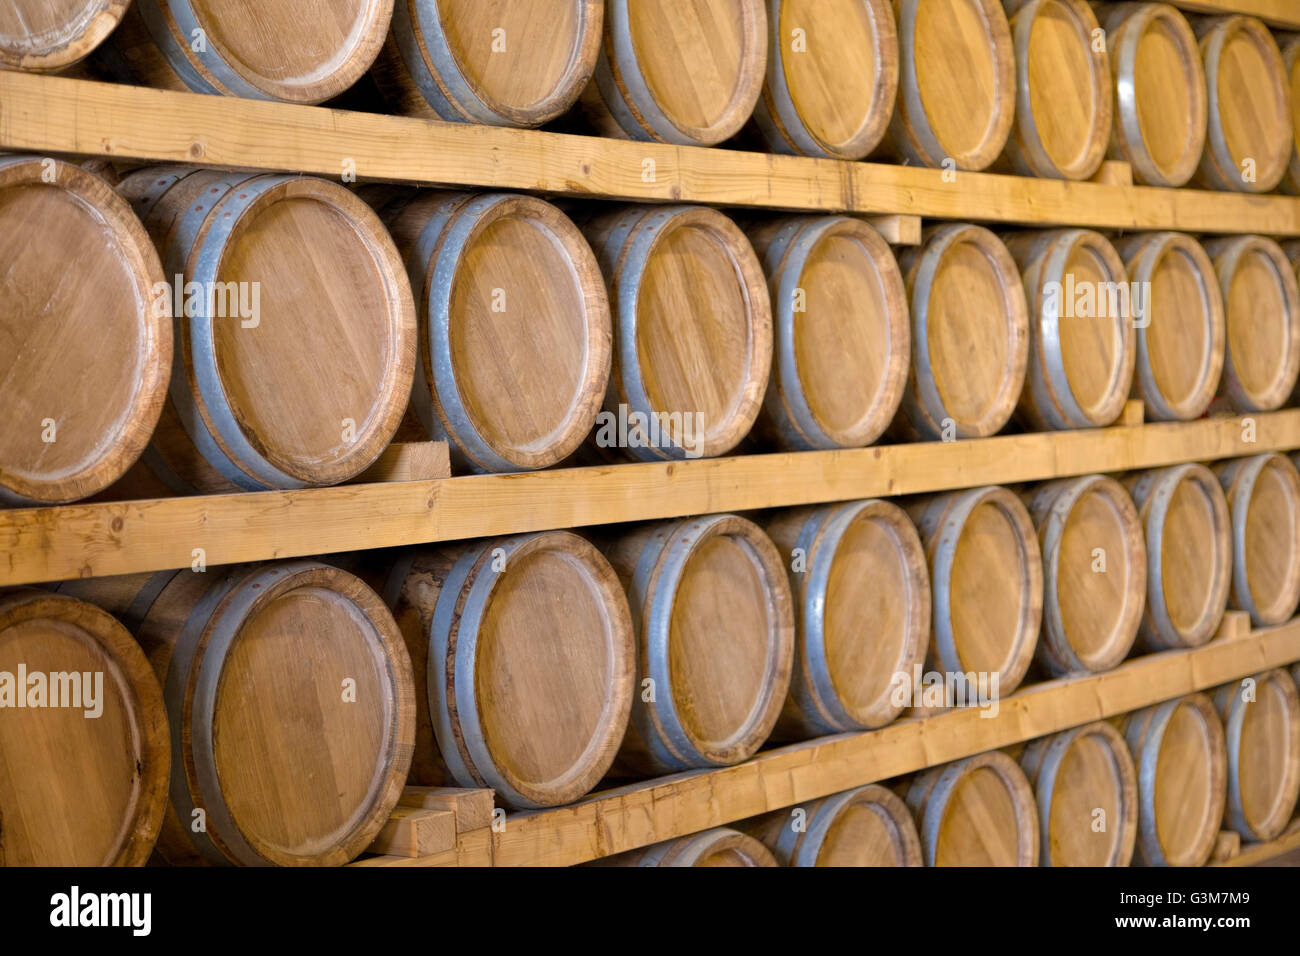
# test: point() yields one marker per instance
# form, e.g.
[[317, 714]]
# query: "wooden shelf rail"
[[1255, 853], [640, 814], [91, 540], [61, 115]]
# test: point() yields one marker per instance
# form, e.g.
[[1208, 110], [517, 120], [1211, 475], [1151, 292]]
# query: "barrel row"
[[311, 323], [536, 665], [1042, 88], [1153, 787]]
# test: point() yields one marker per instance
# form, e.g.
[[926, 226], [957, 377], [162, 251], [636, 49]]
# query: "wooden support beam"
[[90, 540], [42, 114]]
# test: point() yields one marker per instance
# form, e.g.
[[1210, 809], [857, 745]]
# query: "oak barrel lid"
[[48, 35], [297, 694], [1249, 104], [1075, 774], [718, 625], [976, 812], [720, 846], [866, 826], [317, 382], [520, 365], [77, 788], [1264, 500], [956, 95], [1262, 313], [689, 71], [1161, 113], [516, 61], [1063, 90], [1082, 344], [1181, 759], [1091, 610], [1181, 345], [832, 75], [85, 342], [695, 320], [269, 51], [1189, 554], [1263, 737], [970, 331], [531, 668], [987, 585], [843, 335], [865, 604]]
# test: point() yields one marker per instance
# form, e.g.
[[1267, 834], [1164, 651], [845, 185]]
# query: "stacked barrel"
[[257, 332]]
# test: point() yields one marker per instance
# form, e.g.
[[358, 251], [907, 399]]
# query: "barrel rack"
[[45, 115]]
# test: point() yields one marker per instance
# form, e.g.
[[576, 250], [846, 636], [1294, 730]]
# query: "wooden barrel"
[[1094, 573], [1263, 495], [289, 696], [524, 661], [715, 642], [295, 360], [832, 75], [957, 83], [295, 53], [1262, 729], [83, 780], [721, 846], [79, 407], [1086, 789], [1189, 554], [862, 614], [42, 36], [986, 575], [1181, 333], [1063, 90], [1249, 140], [1160, 113], [1262, 315], [515, 331], [1181, 758], [970, 335], [842, 337], [692, 331], [1082, 347], [975, 812], [1290, 49], [513, 63], [678, 71], [866, 826]]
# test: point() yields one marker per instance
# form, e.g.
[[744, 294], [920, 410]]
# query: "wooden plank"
[[1254, 853], [1112, 172], [408, 461], [1134, 413], [90, 540], [1283, 14], [473, 808], [60, 115], [1226, 846], [412, 832], [643, 813], [898, 230], [472, 849]]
